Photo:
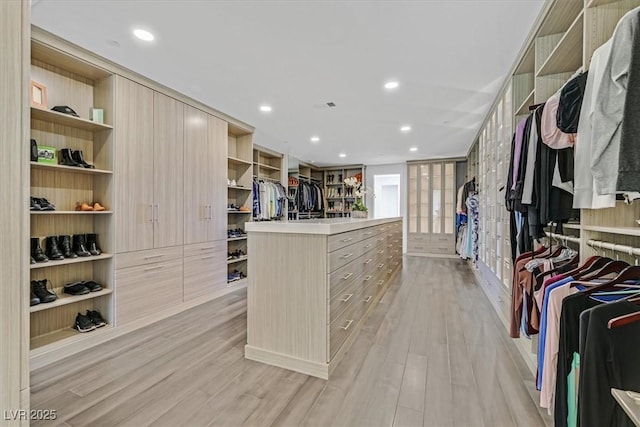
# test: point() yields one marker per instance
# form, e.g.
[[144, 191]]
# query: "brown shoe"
[[98, 207], [83, 207]]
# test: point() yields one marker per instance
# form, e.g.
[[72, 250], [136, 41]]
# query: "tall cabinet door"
[[133, 166], [197, 178], [218, 147], [168, 171]]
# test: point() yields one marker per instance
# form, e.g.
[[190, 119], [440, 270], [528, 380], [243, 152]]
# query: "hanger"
[[591, 264], [629, 273], [627, 319], [610, 267]]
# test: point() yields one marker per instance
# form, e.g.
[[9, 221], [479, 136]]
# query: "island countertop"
[[316, 226]]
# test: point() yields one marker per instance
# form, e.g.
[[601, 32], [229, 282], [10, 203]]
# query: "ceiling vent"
[[331, 104]]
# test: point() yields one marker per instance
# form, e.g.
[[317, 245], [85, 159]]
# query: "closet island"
[[313, 286]]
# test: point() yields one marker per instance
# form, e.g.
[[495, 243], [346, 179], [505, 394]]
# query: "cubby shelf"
[[233, 261], [237, 161], [66, 335], [235, 239], [524, 107], [65, 299], [71, 261], [594, 3], [67, 120], [74, 169], [238, 283], [567, 55], [236, 187], [262, 165], [71, 212], [238, 212]]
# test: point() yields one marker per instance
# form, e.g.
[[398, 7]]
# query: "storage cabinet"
[[431, 207]]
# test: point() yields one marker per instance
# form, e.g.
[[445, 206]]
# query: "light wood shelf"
[[523, 109], [67, 334], [74, 169], [233, 261], [626, 231], [594, 3], [269, 167], [65, 299], [71, 212], [238, 283], [67, 120], [237, 161], [567, 55], [239, 212], [235, 187], [70, 261], [235, 239]]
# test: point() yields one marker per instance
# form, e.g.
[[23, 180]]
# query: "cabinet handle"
[[367, 299], [380, 265], [368, 233], [381, 282], [153, 256], [348, 325], [151, 211], [207, 257], [156, 213], [366, 279], [347, 256], [210, 213], [347, 276], [380, 239], [368, 261], [207, 248], [367, 246], [154, 268], [347, 298], [347, 240], [381, 252]]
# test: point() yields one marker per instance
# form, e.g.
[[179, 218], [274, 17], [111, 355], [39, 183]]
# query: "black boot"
[[79, 245], [79, 158], [65, 246], [92, 244], [36, 251], [66, 158], [53, 251], [40, 290]]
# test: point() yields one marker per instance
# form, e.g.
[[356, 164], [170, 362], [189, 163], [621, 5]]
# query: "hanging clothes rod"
[[629, 250], [268, 179], [564, 238]]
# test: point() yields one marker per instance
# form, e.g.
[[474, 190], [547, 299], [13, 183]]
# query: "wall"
[[14, 136], [399, 169]]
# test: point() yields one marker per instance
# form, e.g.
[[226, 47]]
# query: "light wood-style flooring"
[[433, 353]]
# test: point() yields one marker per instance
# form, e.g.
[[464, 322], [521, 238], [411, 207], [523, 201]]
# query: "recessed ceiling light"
[[391, 85], [143, 34], [265, 108], [342, 155], [315, 139], [413, 149], [405, 128]]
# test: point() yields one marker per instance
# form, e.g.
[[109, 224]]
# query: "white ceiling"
[[450, 58]]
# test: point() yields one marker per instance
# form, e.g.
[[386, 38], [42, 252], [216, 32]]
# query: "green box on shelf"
[[47, 154]]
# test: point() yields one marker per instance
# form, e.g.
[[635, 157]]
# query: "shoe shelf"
[[238, 212], [64, 299], [67, 120], [78, 260], [68, 335], [235, 187], [71, 212], [74, 169], [234, 239], [237, 161], [239, 283], [233, 261]]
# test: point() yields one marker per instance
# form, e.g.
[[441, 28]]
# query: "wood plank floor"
[[433, 353]]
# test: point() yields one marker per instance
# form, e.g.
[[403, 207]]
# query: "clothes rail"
[[629, 250], [563, 238], [268, 179]]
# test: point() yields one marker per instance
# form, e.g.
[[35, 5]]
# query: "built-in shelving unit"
[[339, 196], [65, 299], [55, 117], [69, 261], [70, 169], [71, 212]]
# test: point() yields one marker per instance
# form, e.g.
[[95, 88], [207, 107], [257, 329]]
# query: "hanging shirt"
[[551, 135]]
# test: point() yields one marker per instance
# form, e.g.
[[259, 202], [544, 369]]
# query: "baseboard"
[[307, 367], [54, 352], [428, 255]]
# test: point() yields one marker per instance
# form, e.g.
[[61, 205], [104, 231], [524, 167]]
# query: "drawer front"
[[341, 301], [443, 239], [149, 289], [341, 279], [418, 239], [339, 241], [341, 329], [350, 253], [204, 274], [205, 248], [138, 258]]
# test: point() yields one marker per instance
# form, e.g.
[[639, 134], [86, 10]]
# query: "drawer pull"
[[381, 282], [380, 239], [207, 248], [347, 240], [346, 256], [348, 325], [381, 265], [347, 276], [154, 268], [381, 252], [368, 246], [347, 298], [368, 233], [367, 299], [153, 256], [368, 261], [366, 279], [208, 257]]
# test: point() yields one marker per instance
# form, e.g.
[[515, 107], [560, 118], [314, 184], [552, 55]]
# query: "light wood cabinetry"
[[431, 207], [304, 317], [197, 200], [338, 196]]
